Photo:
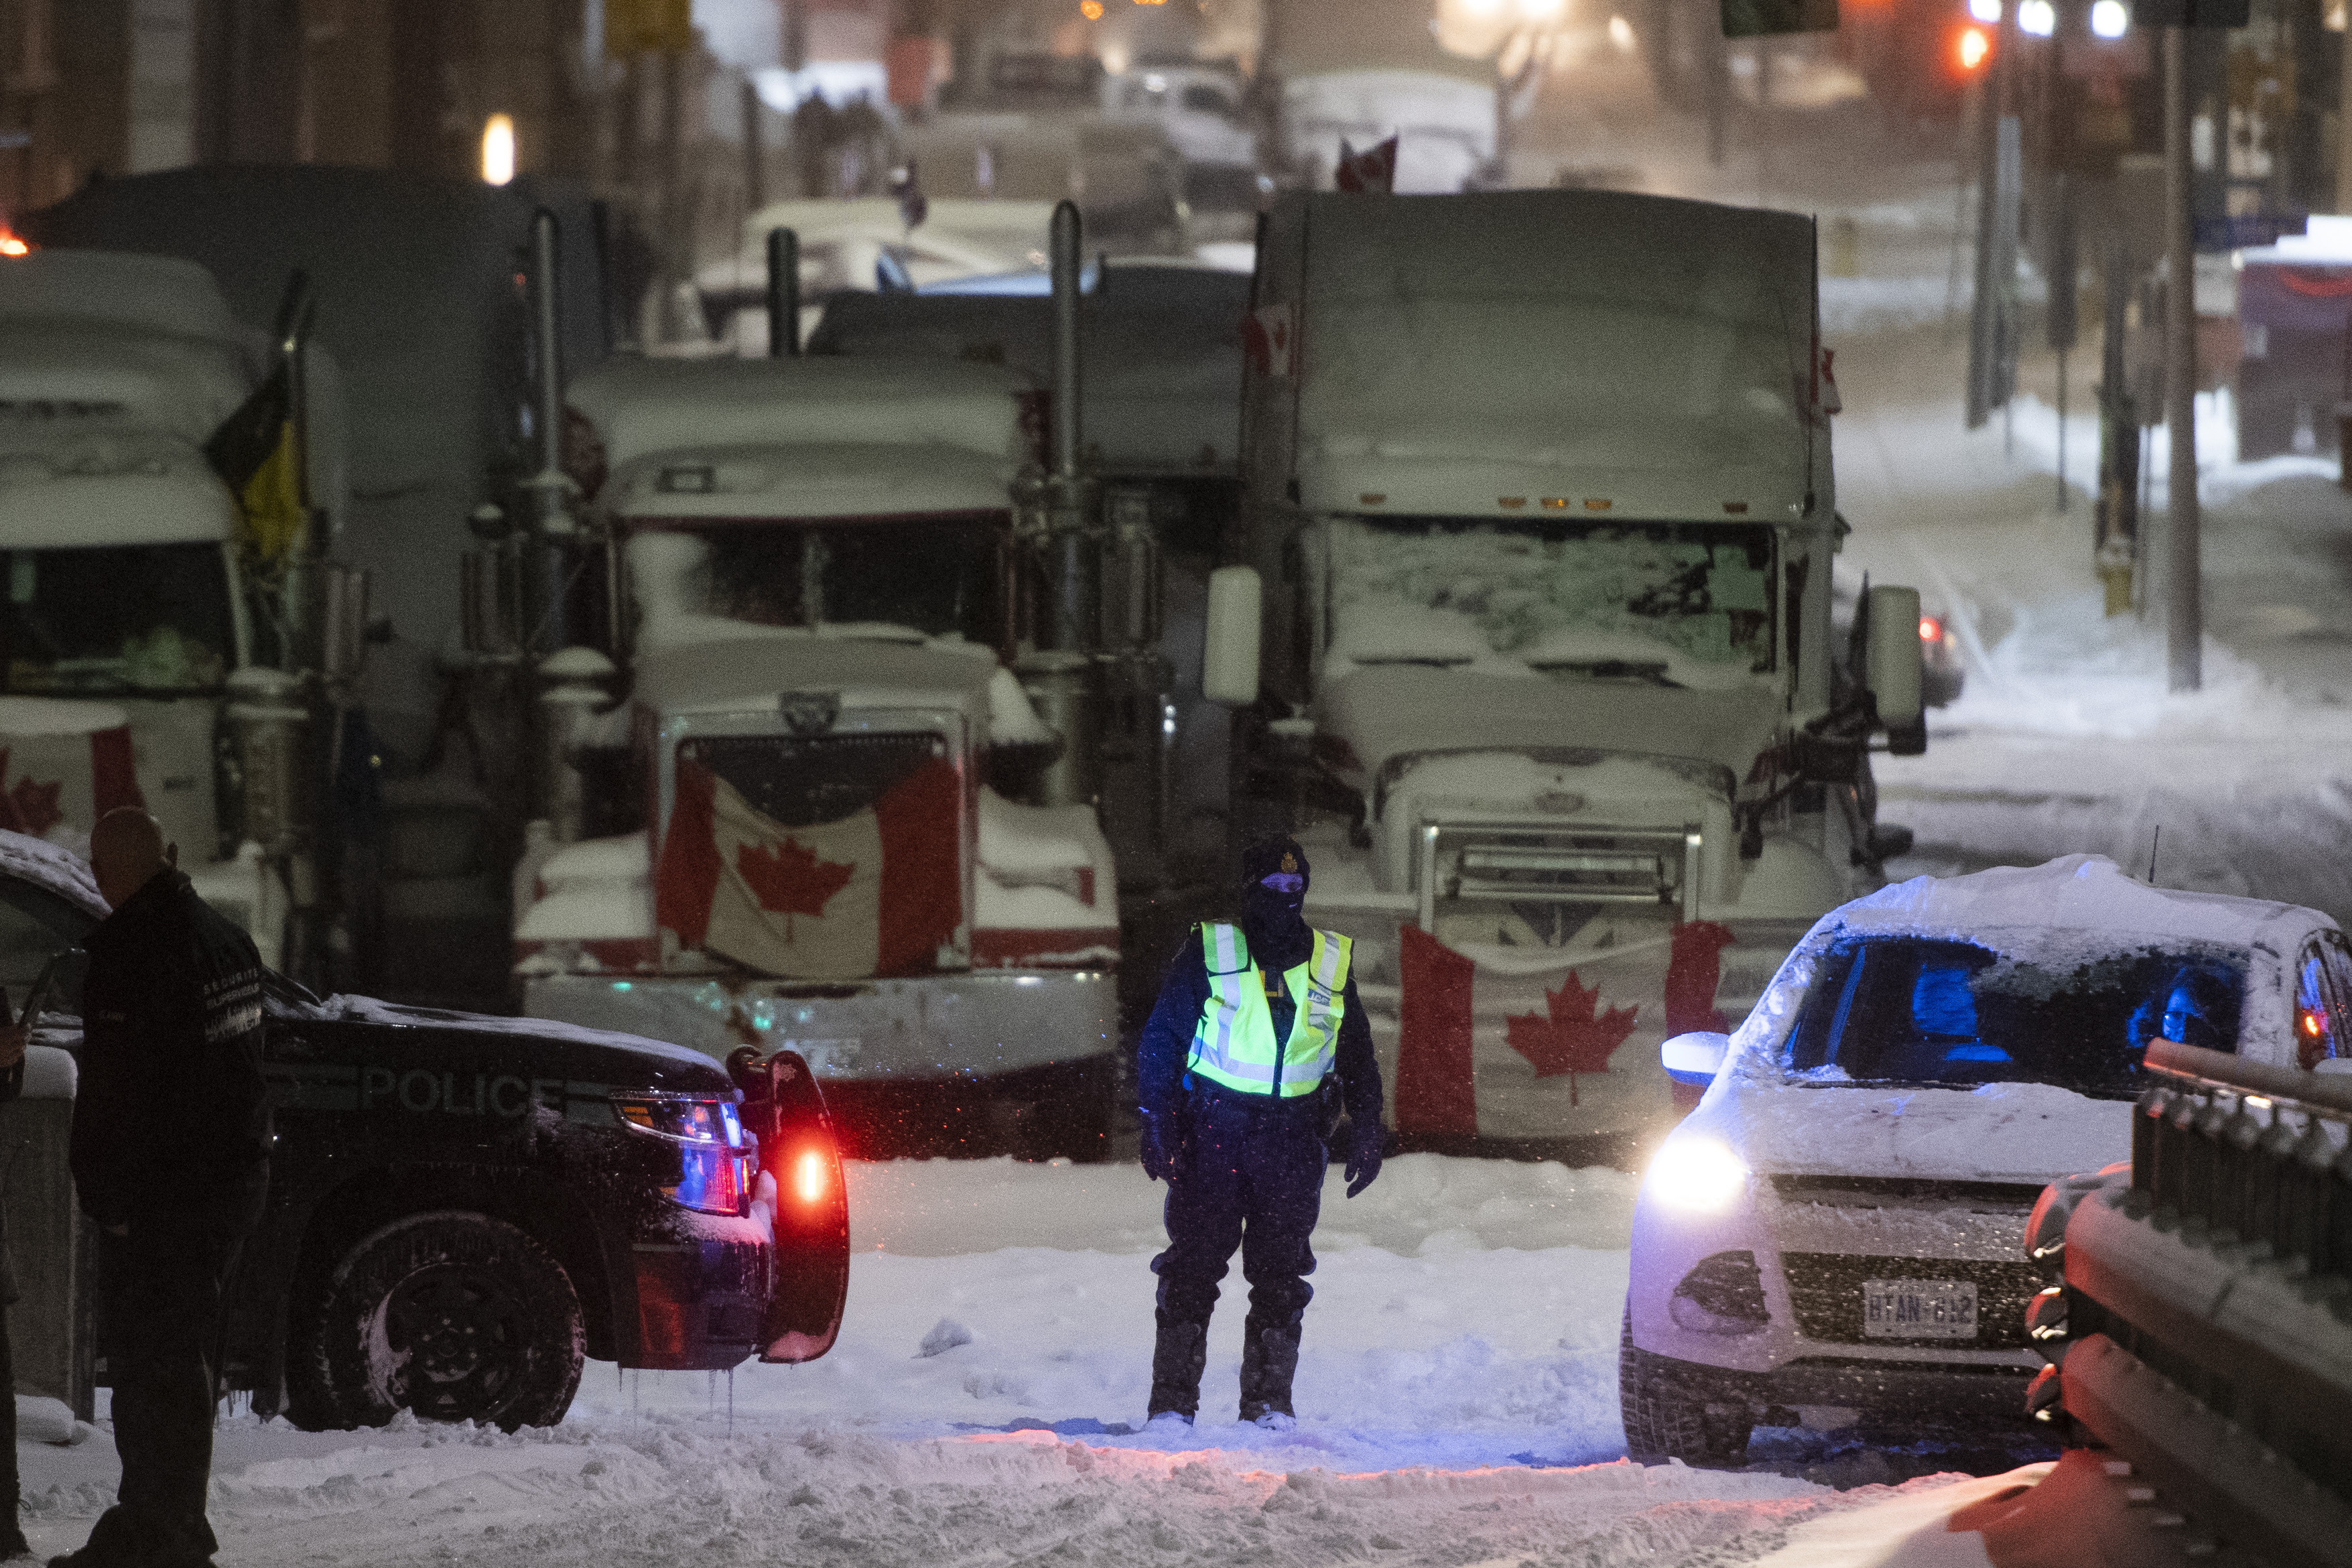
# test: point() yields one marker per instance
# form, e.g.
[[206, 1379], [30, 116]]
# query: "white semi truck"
[[145, 663], [1540, 507], [828, 814]]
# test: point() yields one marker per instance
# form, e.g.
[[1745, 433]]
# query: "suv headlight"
[[713, 1153], [1696, 1175]]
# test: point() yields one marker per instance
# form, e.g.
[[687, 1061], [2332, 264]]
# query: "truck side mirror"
[[1229, 663], [1891, 669], [1692, 1060]]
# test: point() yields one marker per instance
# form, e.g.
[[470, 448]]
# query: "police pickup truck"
[[461, 1209]]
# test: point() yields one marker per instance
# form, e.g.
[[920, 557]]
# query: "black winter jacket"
[[170, 1114], [1167, 1043]]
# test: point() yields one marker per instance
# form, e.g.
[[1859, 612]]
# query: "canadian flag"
[[1270, 338], [874, 894], [1371, 172], [72, 777], [1516, 1045]]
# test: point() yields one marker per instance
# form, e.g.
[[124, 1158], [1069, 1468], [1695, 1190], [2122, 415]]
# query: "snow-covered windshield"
[[1680, 604], [1916, 1010], [892, 580], [134, 618]]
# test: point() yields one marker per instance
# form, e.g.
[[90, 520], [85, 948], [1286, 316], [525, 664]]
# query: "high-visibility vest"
[[1235, 1046]]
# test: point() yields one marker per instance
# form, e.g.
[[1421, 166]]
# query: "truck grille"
[[800, 781], [1825, 1288], [1519, 863]]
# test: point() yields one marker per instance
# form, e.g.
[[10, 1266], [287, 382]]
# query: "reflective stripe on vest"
[[1234, 1044]]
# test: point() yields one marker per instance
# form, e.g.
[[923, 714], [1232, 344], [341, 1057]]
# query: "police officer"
[[1256, 1024], [169, 1155]]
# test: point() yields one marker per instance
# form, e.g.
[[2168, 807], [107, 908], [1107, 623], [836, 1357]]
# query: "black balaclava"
[[1277, 936]]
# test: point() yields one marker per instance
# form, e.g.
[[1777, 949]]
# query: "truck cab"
[[805, 823], [132, 630], [1540, 487]]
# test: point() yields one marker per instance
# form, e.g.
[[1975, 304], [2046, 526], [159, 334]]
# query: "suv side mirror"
[[1891, 668], [1692, 1060], [1229, 663]]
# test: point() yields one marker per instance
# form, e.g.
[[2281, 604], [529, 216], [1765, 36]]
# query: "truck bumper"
[[994, 1062]]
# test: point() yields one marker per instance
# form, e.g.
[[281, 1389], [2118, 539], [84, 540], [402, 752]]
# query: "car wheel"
[[453, 1316], [1662, 1422]]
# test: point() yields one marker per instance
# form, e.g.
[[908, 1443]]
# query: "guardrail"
[[2203, 1329]]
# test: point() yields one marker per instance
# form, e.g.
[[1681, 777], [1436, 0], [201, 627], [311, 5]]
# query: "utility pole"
[[2183, 604]]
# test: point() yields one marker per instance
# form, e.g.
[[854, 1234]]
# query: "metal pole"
[[2183, 609], [783, 293], [554, 518], [755, 150], [2062, 429], [1067, 253]]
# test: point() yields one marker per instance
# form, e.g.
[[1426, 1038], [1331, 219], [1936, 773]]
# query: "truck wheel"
[[455, 1316], [1662, 1422]]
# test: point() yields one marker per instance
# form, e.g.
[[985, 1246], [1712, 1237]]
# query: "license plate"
[[1919, 1308]]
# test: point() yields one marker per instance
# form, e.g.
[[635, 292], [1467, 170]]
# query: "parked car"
[[1834, 1232], [461, 1207]]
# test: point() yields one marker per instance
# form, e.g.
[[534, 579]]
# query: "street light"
[[2039, 17], [1986, 11], [1973, 49], [2110, 19], [497, 150]]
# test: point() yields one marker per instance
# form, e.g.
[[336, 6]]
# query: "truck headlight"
[[714, 1170], [1696, 1175]]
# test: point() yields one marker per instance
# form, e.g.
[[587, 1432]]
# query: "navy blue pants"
[[1253, 1180]]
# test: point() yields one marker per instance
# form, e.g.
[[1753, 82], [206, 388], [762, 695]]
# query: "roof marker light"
[[1511, 502], [1592, 504]]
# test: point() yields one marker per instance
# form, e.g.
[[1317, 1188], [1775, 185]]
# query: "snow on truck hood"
[[58, 871], [747, 671], [1388, 713]]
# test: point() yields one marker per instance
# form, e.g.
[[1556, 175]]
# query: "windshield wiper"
[[1606, 670]]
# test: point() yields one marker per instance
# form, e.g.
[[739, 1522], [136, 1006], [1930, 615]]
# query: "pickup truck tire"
[[1664, 1423], [453, 1316]]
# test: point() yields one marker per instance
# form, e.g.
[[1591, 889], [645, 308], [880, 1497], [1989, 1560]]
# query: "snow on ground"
[[1457, 1395]]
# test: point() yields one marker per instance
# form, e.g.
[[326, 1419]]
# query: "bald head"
[[126, 850]]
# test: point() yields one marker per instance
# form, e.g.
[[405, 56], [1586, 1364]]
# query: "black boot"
[[1182, 1351], [1269, 1360]]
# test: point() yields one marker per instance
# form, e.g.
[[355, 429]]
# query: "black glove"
[[1363, 1166], [1162, 1148]]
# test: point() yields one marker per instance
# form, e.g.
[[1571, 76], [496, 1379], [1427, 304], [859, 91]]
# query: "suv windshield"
[[919, 579], [134, 618], [1910, 1010], [1679, 604]]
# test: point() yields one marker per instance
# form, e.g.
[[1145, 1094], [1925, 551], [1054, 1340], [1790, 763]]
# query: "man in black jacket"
[[170, 1154], [1256, 1025]]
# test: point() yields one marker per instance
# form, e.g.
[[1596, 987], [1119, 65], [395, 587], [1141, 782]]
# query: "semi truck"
[[832, 778], [1528, 629], [159, 653]]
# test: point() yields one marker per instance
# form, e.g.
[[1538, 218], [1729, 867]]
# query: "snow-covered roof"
[[835, 478], [749, 672], [2326, 241], [1584, 352], [64, 487], [2088, 894], [45, 865], [153, 294], [108, 376], [642, 407], [1385, 712]]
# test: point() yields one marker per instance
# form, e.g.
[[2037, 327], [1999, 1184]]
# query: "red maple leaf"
[[791, 881], [1577, 1037]]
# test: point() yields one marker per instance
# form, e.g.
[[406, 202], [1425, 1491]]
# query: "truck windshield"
[[1678, 603], [129, 618], [912, 579], [1917, 1011]]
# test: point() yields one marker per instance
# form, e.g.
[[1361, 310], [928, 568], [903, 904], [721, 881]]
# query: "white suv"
[[1835, 1233]]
